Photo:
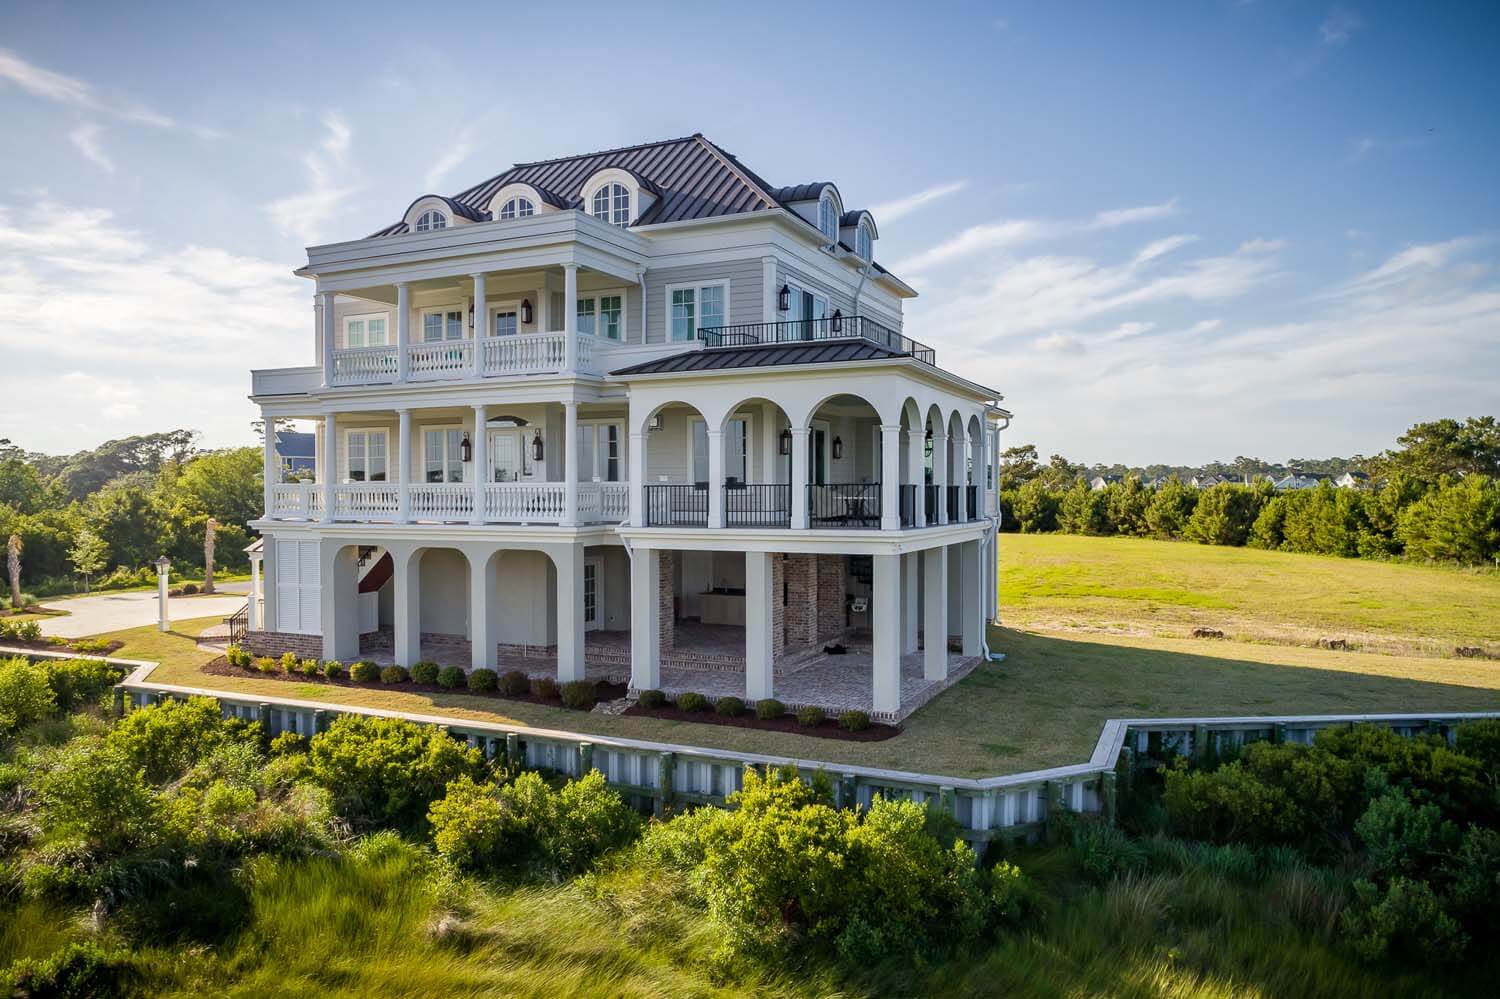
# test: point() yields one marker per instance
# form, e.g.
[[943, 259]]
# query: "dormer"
[[857, 231], [618, 196], [433, 212], [818, 204], [520, 200]]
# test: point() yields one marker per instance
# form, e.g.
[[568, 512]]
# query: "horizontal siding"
[[745, 302]]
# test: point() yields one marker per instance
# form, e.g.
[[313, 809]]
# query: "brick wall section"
[[275, 643], [778, 609], [830, 597], [667, 593], [801, 600]]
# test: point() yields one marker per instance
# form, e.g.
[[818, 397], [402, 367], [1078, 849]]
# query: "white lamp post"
[[163, 567]]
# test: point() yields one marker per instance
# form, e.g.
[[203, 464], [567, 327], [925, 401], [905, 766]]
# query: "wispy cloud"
[[890, 211], [1339, 25], [85, 139], [70, 90], [1259, 245], [1014, 232], [1162, 247], [305, 213], [458, 150], [1129, 216]]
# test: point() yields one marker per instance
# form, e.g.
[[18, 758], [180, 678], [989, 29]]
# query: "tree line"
[[1435, 496]]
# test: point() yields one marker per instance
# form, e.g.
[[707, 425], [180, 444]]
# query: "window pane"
[[711, 307], [432, 326], [356, 459], [377, 457], [610, 313], [586, 315], [700, 451], [354, 333], [505, 324], [683, 326], [622, 205], [734, 446], [612, 452], [601, 203], [432, 449], [455, 326], [586, 469]]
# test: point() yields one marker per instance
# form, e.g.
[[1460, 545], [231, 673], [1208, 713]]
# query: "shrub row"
[[767, 709]]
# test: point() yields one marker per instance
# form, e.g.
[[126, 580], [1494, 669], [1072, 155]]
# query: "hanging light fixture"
[[536, 445], [786, 441], [526, 311], [784, 299], [466, 448], [838, 447], [471, 315]]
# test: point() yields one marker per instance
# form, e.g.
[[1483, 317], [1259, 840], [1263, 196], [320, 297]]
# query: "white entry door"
[[510, 456], [593, 594]]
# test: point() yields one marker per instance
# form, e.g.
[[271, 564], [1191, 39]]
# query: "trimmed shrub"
[[691, 700], [290, 662], [425, 671], [235, 655], [89, 645], [267, 665], [769, 709], [809, 715], [651, 699], [853, 721], [515, 683], [394, 674], [449, 677], [482, 681], [188, 589], [579, 694], [26, 695], [364, 671], [544, 687], [333, 669], [729, 707], [309, 667]]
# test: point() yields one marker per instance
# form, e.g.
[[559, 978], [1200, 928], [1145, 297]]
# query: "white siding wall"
[[444, 587], [744, 276]]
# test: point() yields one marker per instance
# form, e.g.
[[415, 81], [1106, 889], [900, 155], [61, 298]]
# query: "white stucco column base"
[[971, 609], [338, 582], [406, 606], [911, 600], [570, 646], [645, 619], [758, 616], [483, 592], [935, 613], [885, 622]]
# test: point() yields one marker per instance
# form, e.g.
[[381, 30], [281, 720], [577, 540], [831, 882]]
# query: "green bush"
[[168, 738], [236, 656], [364, 671], [333, 669], [482, 681], [515, 683], [651, 699], [690, 700], [424, 671], [393, 674], [20, 631], [854, 721], [769, 709], [266, 664], [290, 662], [1015, 902], [544, 687], [80, 682], [98, 795], [1406, 920], [188, 589], [449, 677], [77, 971], [26, 695], [309, 667], [89, 645], [729, 707], [579, 694], [386, 770], [810, 715]]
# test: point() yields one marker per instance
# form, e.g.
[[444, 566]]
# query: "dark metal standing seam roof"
[[764, 356]]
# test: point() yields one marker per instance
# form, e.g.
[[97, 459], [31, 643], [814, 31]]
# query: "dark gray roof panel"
[[801, 192], [763, 356]]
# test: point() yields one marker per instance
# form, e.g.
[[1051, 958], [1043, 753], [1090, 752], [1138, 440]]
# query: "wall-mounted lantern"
[[838, 321], [838, 447], [784, 299], [526, 311], [466, 448], [654, 423], [536, 445], [471, 316], [786, 442]]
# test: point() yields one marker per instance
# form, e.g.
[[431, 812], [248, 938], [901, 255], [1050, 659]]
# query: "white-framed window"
[[442, 454], [432, 220], [367, 455], [442, 324], [737, 450], [611, 203], [698, 450], [602, 315], [691, 307], [828, 217], [601, 451], [366, 331], [505, 321], [517, 208], [863, 245], [586, 308]]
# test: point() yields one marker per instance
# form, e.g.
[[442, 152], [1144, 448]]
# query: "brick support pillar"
[[830, 597], [666, 593]]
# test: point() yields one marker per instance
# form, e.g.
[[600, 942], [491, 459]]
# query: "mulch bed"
[[221, 667], [45, 646], [829, 729]]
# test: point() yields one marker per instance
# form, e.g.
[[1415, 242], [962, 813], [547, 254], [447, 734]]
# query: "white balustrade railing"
[[442, 359], [503, 355], [442, 501], [586, 345], [524, 502], [296, 501], [366, 501], [603, 502], [363, 365]]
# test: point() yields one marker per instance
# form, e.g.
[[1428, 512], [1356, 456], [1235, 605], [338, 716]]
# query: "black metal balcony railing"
[[838, 505], [909, 505], [677, 505], [971, 501], [239, 622], [930, 503], [808, 330], [952, 501], [760, 504]]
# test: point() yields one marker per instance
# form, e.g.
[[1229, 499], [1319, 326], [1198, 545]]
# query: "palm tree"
[[209, 529], [13, 563]]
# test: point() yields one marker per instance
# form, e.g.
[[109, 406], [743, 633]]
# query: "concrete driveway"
[[103, 612]]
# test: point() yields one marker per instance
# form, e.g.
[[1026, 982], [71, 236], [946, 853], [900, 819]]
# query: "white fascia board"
[[788, 541], [908, 365]]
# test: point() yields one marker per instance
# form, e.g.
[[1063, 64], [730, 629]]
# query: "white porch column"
[[481, 462], [570, 317], [483, 586], [890, 477], [252, 606], [268, 582], [935, 613], [916, 444], [325, 315], [481, 323], [911, 600], [338, 599], [940, 476], [645, 619], [799, 478], [570, 463], [403, 328], [330, 469], [960, 448], [971, 612], [270, 467], [638, 480], [570, 648], [758, 616], [885, 623], [715, 478], [407, 606], [403, 465]]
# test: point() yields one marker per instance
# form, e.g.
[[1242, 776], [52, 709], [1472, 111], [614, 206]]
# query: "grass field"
[[1095, 630]]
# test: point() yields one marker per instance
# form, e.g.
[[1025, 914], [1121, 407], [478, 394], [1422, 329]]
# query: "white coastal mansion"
[[632, 414]]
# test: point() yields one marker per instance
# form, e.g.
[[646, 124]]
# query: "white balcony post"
[[971, 613], [715, 478], [570, 639], [638, 480], [940, 476], [270, 468], [799, 478], [326, 315], [252, 606], [480, 462], [481, 322], [570, 317], [959, 447], [570, 463], [759, 648], [403, 465], [645, 619], [916, 444], [935, 613], [890, 477], [330, 468], [885, 622], [403, 328]]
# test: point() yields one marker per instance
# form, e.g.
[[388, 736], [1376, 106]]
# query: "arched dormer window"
[[828, 217], [517, 208], [611, 203], [863, 244], [431, 221]]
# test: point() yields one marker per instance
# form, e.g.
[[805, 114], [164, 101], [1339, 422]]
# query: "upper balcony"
[[454, 360], [835, 327]]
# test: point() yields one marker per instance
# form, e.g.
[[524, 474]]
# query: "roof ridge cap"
[[733, 166]]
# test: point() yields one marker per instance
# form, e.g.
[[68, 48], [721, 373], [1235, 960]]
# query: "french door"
[[593, 594]]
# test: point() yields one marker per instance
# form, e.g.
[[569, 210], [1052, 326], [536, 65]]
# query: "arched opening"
[[756, 445], [957, 468], [935, 465], [844, 463], [675, 484]]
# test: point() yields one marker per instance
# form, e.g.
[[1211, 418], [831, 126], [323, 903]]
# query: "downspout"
[[984, 640]]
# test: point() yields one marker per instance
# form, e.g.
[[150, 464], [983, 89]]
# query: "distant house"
[[1300, 480], [1209, 481], [1099, 482], [1352, 480], [297, 453]]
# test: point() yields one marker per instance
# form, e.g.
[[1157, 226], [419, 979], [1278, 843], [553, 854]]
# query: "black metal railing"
[[677, 505], [952, 501], [909, 505], [971, 501], [239, 622], [757, 504], [930, 503], [855, 505], [808, 330]]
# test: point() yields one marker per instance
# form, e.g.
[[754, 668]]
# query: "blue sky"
[[1166, 232]]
